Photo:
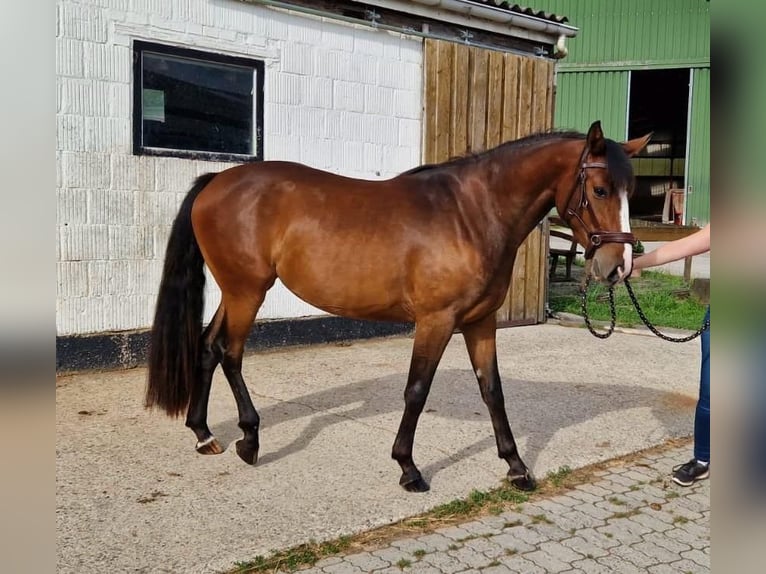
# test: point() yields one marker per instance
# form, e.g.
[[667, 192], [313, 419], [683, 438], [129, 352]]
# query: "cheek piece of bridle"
[[597, 237]]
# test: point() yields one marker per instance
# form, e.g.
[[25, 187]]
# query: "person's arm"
[[693, 244]]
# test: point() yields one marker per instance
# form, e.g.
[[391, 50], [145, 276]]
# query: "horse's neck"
[[524, 195]]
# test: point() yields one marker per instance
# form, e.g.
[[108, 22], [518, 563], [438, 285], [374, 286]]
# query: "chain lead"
[[613, 313], [653, 329], [584, 304]]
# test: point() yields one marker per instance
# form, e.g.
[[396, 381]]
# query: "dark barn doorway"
[[659, 103]]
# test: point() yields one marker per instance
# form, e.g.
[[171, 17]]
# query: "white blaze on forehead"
[[627, 254]]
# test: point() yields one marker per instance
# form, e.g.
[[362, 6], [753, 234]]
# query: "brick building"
[[152, 93]]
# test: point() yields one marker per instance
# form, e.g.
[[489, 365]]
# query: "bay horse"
[[434, 246]]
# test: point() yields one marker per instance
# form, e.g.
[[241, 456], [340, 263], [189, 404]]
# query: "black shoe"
[[686, 474]]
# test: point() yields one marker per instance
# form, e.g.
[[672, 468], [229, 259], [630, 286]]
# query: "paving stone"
[[408, 545], [597, 538], [619, 479], [444, 562], [650, 522], [454, 533], [550, 531], [559, 551], [507, 541], [584, 496], [479, 528], [420, 568], [618, 564], [584, 547], [638, 475], [697, 556], [686, 565], [525, 534], [670, 544], [495, 523], [594, 511], [594, 490], [588, 533], [683, 535], [434, 542], [547, 562], [635, 557], [329, 561], [367, 562], [520, 565], [551, 506], [675, 508], [590, 566], [481, 544], [343, 568], [642, 497], [470, 557], [577, 519], [511, 517], [567, 501], [622, 535], [391, 554], [655, 551]]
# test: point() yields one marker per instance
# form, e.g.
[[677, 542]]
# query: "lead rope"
[[613, 312], [584, 304]]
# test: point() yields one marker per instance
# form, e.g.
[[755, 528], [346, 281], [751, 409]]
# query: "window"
[[188, 103]]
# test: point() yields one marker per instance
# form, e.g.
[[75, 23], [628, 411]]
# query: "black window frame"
[[141, 46]]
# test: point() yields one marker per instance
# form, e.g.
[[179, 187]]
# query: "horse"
[[434, 246]]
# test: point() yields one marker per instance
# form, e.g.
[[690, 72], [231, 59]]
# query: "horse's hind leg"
[[480, 341], [240, 313], [431, 337], [196, 415]]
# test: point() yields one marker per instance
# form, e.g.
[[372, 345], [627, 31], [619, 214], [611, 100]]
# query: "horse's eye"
[[600, 192]]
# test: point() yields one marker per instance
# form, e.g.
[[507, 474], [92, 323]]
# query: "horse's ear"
[[632, 147], [595, 139]]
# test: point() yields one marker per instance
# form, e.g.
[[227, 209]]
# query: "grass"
[[664, 298]]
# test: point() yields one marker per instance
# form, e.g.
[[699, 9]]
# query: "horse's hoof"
[[525, 482], [209, 446], [414, 483], [247, 452]]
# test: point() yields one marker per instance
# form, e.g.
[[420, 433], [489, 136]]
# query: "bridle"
[[598, 237]]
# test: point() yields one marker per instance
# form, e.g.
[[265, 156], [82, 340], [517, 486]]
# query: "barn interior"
[[659, 103]]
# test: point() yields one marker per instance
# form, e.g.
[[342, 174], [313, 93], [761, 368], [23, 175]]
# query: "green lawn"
[[664, 298]]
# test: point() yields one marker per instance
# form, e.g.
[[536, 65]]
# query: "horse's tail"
[[174, 348]]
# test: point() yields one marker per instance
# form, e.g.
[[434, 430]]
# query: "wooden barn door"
[[476, 99]]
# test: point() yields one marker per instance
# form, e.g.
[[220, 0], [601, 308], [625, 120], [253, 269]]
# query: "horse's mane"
[[469, 158], [620, 167]]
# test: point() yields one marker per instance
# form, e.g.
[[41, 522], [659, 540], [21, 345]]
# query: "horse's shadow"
[[536, 410]]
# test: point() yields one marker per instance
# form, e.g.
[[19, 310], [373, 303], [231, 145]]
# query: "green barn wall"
[[698, 201], [635, 33], [617, 36]]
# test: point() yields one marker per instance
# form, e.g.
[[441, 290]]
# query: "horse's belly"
[[347, 291]]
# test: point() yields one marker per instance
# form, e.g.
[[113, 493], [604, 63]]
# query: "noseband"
[[598, 237]]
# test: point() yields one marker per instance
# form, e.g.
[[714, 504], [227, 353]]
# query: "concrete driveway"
[[133, 496]]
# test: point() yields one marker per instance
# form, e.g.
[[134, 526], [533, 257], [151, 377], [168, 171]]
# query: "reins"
[[613, 312]]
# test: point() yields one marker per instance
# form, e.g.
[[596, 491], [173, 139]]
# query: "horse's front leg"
[[480, 341], [431, 337]]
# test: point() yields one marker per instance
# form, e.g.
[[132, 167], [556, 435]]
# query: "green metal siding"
[[698, 201], [635, 33], [583, 97]]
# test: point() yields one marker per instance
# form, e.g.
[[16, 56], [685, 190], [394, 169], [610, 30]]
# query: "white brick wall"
[[343, 98]]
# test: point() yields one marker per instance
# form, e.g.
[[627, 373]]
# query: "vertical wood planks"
[[476, 99]]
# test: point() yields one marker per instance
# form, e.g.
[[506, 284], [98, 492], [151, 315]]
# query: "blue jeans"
[[702, 414]]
